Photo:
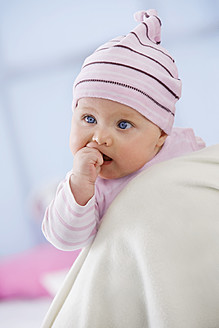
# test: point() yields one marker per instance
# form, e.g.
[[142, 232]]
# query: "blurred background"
[[42, 46]]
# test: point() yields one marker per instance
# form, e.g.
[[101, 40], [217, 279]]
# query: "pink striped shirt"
[[69, 226]]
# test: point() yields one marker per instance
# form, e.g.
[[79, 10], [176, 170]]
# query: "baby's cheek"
[[75, 137], [77, 143], [73, 145]]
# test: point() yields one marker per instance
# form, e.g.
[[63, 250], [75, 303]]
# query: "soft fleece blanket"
[[155, 260]]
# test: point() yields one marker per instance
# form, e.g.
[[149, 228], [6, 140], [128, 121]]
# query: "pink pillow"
[[21, 274]]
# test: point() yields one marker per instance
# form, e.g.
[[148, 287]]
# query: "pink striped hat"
[[134, 70]]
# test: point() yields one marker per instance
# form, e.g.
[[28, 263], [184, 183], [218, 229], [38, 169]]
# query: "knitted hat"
[[134, 70]]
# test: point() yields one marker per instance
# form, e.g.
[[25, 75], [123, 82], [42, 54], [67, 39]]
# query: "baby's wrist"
[[82, 189]]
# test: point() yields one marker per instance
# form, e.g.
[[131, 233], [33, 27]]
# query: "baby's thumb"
[[91, 144]]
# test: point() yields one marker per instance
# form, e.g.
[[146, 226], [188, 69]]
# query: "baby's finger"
[[99, 161], [96, 154], [92, 144]]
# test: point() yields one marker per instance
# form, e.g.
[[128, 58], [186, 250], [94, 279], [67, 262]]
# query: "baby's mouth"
[[106, 158]]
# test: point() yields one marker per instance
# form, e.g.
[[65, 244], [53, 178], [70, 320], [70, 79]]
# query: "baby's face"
[[126, 139]]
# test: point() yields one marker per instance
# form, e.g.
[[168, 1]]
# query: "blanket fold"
[[155, 260]]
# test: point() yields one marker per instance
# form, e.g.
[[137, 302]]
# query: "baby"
[[123, 113]]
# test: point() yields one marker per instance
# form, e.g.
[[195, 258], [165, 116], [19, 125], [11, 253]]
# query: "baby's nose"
[[102, 138]]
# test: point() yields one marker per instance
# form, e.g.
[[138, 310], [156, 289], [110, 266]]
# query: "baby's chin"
[[109, 176], [107, 173], [112, 175]]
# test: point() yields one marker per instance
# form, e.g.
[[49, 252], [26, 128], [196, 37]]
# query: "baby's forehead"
[[107, 106]]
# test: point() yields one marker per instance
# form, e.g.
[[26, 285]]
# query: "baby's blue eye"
[[90, 119], [124, 125]]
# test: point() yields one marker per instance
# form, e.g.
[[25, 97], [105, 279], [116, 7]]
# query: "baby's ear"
[[161, 139]]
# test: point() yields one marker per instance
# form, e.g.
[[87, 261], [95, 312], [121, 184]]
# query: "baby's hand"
[[86, 167], [87, 162]]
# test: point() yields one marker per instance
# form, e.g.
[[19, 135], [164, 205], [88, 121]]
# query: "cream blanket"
[[155, 260]]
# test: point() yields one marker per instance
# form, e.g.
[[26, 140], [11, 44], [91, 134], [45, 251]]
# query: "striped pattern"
[[130, 87], [66, 224], [135, 71]]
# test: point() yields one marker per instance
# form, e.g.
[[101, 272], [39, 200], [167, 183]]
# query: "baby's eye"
[[124, 125], [90, 119]]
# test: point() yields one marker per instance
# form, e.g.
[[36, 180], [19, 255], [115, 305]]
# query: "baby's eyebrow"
[[87, 109], [125, 119], [129, 117]]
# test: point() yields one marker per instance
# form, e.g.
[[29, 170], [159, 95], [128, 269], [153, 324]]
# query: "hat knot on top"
[[152, 24]]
